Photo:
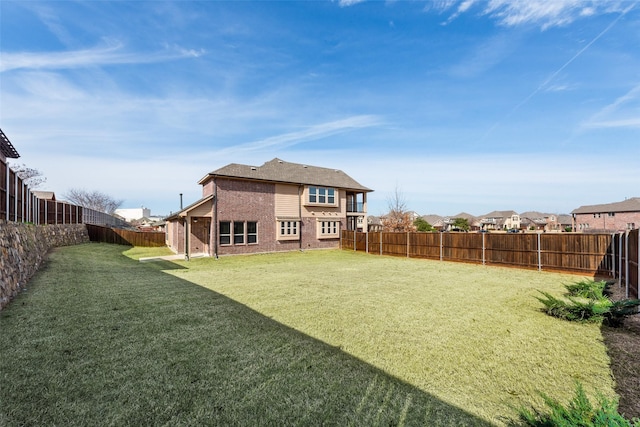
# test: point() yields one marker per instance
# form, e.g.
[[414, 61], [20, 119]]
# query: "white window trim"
[[296, 229], [336, 196], [331, 235]]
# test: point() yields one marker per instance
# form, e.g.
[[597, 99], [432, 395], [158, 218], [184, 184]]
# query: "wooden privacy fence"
[[19, 204], [613, 255], [125, 237]]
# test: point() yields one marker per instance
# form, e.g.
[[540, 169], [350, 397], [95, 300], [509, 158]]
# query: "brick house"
[[279, 206], [618, 216]]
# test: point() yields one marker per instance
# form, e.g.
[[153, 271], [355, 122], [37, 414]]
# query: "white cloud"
[[543, 13], [110, 54], [311, 133], [624, 112], [346, 3]]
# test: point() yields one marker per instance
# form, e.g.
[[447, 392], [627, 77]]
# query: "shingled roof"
[[278, 170], [629, 205], [6, 148]]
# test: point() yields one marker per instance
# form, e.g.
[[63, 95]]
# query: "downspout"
[[300, 192], [215, 218], [187, 230]]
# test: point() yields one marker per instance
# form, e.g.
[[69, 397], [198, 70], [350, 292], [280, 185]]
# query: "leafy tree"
[[398, 219], [461, 224], [93, 200], [422, 225], [30, 176]]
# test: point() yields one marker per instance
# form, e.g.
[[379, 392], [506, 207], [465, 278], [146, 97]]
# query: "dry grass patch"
[[472, 336]]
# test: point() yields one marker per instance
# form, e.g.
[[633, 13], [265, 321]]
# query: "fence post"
[[366, 243], [355, 240], [626, 263], [7, 180], [380, 242], [407, 244], [483, 249], [441, 249], [613, 255], [15, 197], [620, 259], [539, 252]]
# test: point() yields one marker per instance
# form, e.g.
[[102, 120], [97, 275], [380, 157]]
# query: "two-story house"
[[618, 216], [500, 220], [279, 206]]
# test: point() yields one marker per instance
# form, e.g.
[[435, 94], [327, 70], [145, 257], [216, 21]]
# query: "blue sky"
[[467, 105]]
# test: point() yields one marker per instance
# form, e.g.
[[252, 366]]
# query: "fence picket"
[[589, 254]]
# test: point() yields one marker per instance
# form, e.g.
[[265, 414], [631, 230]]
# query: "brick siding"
[[603, 222]]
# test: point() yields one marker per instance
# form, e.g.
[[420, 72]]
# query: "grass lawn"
[[311, 338]]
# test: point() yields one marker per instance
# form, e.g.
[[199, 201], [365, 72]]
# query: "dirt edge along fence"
[[599, 255], [126, 237]]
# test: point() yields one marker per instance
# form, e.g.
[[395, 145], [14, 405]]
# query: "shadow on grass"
[[102, 339]]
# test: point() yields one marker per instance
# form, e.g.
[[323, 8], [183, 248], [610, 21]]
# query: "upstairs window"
[[322, 196]]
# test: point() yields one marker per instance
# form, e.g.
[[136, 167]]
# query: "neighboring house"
[[500, 220], [436, 221], [542, 221], [278, 206], [374, 223], [474, 223], [45, 195], [565, 222], [618, 216], [134, 213]]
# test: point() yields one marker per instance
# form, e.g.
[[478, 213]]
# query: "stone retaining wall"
[[23, 247]]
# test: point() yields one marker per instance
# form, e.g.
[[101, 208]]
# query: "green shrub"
[[578, 413], [586, 302], [587, 289], [573, 309]]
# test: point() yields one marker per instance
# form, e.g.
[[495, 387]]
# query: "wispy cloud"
[[624, 112], [543, 13], [547, 83], [346, 3], [312, 133], [110, 54]]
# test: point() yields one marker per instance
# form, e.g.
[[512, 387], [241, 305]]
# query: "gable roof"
[[44, 195], [629, 205], [6, 148], [500, 214], [278, 170], [184, 212]]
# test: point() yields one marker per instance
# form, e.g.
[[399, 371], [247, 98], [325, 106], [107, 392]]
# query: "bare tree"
[[398, 219], [30, 176], [93, 200]]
